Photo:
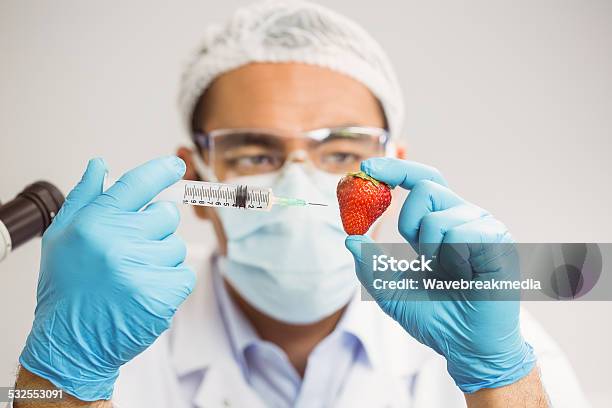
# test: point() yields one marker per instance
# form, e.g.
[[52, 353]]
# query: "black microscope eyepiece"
[[28, 215]]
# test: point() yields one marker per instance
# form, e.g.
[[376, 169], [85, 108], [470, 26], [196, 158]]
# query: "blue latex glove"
[[480, 340], [111, 278]]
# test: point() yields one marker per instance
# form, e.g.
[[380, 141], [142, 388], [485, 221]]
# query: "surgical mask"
[[290, 263]]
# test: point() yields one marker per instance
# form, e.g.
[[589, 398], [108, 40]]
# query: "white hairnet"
[[293, 31]]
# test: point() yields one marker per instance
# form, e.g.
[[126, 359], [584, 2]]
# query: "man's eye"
[[341, 158], [260, 160]]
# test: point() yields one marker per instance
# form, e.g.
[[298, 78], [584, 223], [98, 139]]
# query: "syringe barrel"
[[211, 194], [254, 198]]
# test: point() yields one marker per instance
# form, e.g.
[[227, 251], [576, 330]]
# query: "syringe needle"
[[293, 202]]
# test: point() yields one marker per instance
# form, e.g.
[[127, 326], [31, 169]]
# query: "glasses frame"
[[205, 140]]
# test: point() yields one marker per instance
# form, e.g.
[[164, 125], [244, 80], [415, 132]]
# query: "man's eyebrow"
[[344, 125], [250, 138]]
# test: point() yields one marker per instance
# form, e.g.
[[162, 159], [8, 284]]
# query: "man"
[[291, 96]]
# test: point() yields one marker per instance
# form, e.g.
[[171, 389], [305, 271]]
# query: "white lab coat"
[[413, 375]]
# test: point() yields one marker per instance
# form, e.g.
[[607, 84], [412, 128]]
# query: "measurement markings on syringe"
[[223, 196], [258, 199]]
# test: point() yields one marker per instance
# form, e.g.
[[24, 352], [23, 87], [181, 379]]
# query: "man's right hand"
[[111, 279]]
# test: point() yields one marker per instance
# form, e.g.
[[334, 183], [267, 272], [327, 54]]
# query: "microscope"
[[28, 215]]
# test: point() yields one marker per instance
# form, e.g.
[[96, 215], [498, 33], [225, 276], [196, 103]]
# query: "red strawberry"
[[362, 200]]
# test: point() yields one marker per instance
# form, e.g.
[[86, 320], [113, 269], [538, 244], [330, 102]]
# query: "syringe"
[[209, 194]]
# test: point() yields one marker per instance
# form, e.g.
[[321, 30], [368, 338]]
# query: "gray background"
[[512, 100]]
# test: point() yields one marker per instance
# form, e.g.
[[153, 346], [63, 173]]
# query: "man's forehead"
[[291, 96], [295, 74]]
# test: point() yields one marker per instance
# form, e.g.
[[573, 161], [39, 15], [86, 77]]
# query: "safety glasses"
[[250, 151]]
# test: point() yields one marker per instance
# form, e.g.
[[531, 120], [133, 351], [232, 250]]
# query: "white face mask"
[[290, 263]]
